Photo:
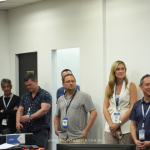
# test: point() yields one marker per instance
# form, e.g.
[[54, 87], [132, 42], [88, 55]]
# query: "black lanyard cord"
[[70, 101]]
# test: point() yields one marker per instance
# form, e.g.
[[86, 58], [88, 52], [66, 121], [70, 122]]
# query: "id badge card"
[[4, 122], [116, 118], [64, 123], [28, 114], [142, 134]]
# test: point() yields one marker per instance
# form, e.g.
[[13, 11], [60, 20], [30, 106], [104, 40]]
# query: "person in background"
[[120, 96], [61, 90], [9, 104], [140, 117], [33, 114], [71, 114]]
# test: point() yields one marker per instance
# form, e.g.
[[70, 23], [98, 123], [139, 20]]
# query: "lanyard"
[[8, 102], [70, 101], [64, 91], [144, 115], [117, 100]]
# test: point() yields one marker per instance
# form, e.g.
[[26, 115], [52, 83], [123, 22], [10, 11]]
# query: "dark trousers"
[[40, 138]]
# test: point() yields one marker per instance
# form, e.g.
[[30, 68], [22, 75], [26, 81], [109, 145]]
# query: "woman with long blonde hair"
[[120, 96]]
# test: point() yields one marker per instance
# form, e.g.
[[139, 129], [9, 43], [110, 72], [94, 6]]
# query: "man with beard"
[[71, 113], [61, 91]]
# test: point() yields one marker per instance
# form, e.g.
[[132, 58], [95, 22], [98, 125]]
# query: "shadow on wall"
[[96, 133], [136, 77]]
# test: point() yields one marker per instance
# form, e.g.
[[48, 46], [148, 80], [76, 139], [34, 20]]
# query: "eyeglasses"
[[70, 81]]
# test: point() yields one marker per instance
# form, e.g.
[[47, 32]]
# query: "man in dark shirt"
[[33, 114], [9, 104], [140, 117], [61, 90]]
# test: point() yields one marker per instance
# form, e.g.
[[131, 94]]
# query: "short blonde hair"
[[112, 78]]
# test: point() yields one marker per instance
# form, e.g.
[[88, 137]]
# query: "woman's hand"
[[114, 133], [114, 127]]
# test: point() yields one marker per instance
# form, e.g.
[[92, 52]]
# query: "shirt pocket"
[[75, 105]]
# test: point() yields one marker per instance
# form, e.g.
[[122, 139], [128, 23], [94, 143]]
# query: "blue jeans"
[[40, 138]]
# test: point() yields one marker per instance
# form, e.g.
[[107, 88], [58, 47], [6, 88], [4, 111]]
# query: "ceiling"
[[10, 4]]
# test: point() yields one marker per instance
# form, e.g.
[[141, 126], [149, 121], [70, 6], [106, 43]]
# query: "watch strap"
[[30, 117]]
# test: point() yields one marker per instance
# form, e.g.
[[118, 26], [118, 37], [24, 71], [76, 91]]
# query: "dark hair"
[[142, 79], [66, 76], [30, 76], [4, 81], [65, 70]]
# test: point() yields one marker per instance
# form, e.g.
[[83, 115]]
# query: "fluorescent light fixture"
[[2, 0]]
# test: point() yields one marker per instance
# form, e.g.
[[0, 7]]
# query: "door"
[[27, 64]]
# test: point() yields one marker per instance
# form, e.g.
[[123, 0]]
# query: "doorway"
[[27, 64]]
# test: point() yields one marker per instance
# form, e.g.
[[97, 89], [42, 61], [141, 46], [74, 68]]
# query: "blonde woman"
[[120, 95]]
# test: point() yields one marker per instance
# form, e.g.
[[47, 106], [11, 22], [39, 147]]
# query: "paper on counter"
[[5, 146]]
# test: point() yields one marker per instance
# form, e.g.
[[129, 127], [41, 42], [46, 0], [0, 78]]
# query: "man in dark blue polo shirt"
[[140, 116], [61, 91], [33, 114]]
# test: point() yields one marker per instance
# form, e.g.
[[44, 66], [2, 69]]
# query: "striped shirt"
[[76, 114]]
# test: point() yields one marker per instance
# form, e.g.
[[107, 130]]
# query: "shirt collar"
[[8, 96], [39, 90], [71, 95], [143, 102]]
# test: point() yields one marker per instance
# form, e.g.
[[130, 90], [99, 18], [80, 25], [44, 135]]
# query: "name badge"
[[28, 114], [142, 134], [64, 123], [116, 118], [4, 122]]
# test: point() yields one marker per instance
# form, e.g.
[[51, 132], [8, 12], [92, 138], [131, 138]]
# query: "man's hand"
[[139, 144], [15, 108], [146, 144], [84, 133], [114, 127], [143, 145], [25, 119], [19, 126], [57, 132], [1, 111]]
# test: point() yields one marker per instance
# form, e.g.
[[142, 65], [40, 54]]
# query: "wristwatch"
[[120, 121], [30, 117]]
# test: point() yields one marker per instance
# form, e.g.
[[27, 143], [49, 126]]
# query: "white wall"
[[4, 54], [105, 31], [63, 59], [68, 59], [127, 38], [58, 24]]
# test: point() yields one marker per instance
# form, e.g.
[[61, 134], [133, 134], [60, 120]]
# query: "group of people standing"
[[28, 114], [127, 120]]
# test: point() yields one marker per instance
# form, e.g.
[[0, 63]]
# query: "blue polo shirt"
[[34, 104], [61, 91], [136, 115]]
